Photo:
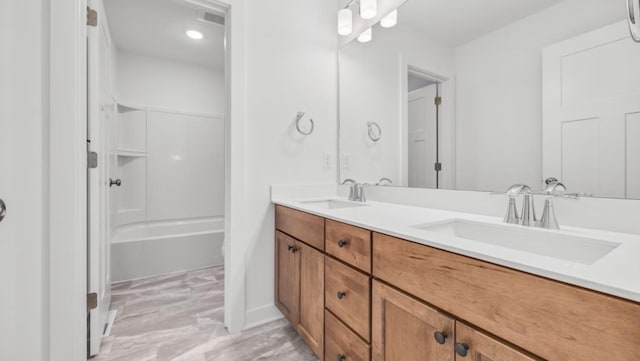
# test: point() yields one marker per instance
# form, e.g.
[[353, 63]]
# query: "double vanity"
[[381, 281]]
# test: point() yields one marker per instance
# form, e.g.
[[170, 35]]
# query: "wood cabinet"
[[550, 319], [342, 344], [389, 299], [300, 288], [306, 227], [473, 345], [348, 296], [287, 293], [404, 328], [350, 244]]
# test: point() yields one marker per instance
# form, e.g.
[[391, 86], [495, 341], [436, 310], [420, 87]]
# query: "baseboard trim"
[[261, 315]]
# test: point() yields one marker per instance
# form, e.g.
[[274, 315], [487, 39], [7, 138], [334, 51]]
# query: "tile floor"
[[179, 317]]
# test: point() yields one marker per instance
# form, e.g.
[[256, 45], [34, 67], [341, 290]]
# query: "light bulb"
[[365, 36], [345, 22], [194, 34], [390, 20], [368, 9]]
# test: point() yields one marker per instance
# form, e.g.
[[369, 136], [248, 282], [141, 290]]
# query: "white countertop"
[[617, 273]]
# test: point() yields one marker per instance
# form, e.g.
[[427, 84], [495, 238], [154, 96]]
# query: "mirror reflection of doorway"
[[423, 128]]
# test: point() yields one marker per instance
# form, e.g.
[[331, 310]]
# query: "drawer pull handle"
[[441, 337], [342, 243], [462, 349], [341, 295], [341, 357], [292, 249]]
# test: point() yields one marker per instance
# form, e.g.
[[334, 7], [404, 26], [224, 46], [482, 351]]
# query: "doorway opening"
[[423, 129], [157, 120]]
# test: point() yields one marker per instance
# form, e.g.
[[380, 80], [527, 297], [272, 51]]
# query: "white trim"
[[235, 184], [261, 315], [68, 218]]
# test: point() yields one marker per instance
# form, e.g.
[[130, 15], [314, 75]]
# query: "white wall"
[[291, 66], [152, 81], [499, 94], [373, 87], [24, 233]]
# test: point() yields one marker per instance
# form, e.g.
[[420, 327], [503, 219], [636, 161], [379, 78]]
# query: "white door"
[[591, 113], [23, 183], [100, 118], [422, 137]]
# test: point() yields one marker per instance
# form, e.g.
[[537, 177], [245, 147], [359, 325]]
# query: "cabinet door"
[[473, 345], [311, 321], [287, 277], [404, 329]]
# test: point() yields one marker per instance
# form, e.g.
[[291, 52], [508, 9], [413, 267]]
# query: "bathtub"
[[151, 248]]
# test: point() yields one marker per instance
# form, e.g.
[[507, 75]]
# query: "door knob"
[[3, 210], [117, 182]]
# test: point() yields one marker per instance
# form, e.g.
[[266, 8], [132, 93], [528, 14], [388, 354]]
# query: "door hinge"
[[92, 17], [92, 160], [438, 100], [92, 301], [438, 167]]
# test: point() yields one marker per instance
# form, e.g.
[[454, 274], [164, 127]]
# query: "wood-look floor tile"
[[180, 317]]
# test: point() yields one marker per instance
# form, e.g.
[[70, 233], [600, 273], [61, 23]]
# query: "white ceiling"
[[157, 28], [455, 22]]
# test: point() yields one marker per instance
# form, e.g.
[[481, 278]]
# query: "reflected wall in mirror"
[[480, 95]]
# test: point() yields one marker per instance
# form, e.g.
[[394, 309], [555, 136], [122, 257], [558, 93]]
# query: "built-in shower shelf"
[[131, 153]]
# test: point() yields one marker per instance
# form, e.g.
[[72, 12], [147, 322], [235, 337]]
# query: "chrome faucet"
[[548, 219], [353, 192], [384, 181], [528, 212]]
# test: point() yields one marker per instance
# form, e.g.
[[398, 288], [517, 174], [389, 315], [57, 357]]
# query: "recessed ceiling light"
[[194, 34]]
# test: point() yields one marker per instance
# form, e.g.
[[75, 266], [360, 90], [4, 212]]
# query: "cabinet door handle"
[[462, 349], [294, 249], [341, 357], [441, 337], [341, 294], [290, 248], [342, 243]]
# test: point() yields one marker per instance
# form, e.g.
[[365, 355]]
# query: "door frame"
[[67, 262], [447, 120]]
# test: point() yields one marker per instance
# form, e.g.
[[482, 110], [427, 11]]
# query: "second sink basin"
[[567, 247], [334, 203]]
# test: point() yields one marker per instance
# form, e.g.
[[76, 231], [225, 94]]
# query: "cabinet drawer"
[[349, 243], [340, 341], [347, 295], [304, 226], [553, 320]]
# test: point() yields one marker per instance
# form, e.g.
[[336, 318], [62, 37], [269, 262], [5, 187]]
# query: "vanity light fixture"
[[194, 34], [345, 21], [368, 9], [390, 20], [365, 36]]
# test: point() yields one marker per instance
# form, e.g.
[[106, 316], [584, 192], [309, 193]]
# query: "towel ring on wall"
[[374, 131], [299, 117]]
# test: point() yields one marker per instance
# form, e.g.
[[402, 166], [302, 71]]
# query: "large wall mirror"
[[482, 94]]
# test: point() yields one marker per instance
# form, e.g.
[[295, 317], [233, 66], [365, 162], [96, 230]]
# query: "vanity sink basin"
[[577, 249], [334, 204]]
